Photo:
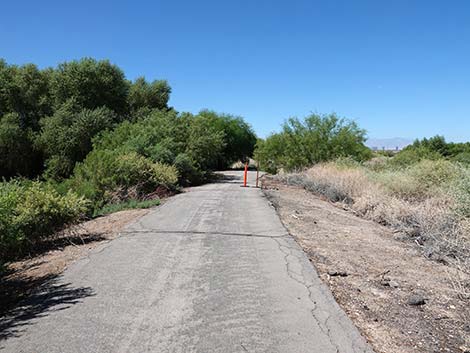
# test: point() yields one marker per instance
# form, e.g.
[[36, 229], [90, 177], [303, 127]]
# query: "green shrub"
[[434, 174], [463, 157], [42, 210], [32, 211], [10, 236], [400, 184], [417, 181], [164, 174], [105, 172], [460, 190], [410, 156], [188, 173]]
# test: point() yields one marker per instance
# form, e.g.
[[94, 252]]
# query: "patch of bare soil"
[[401, 301], [22, 277]]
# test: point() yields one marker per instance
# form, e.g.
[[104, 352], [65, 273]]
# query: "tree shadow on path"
[[50, 295]]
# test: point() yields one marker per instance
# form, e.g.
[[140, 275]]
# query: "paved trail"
[[212, 270]]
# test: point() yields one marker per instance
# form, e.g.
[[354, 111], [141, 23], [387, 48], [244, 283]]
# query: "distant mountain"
[[388, 143]]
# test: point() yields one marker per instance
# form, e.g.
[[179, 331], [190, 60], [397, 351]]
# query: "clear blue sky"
[[398, 67]]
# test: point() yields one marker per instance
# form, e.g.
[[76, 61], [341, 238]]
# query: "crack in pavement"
[[323, 324], [156, 231], [294, 276]]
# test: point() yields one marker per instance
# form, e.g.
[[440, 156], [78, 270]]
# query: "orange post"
[[245, 174]]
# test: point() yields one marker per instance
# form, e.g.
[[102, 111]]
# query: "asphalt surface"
[[212, 270]]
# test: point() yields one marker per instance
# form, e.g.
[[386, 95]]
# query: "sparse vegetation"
[[427, 200], [127, 205]]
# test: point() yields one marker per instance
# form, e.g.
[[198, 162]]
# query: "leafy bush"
[[164, 174], [161, 136], [104, 172], [410, 156], [32, 211], [188, 173]]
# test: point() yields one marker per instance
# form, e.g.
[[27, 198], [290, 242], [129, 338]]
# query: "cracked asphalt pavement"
[[212, 270]]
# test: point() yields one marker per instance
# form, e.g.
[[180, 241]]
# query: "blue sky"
[[399, 68]]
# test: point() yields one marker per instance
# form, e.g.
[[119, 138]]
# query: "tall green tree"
[[91, 84], [316, 138], [66, 136], [25, 90], [18, 156], [239, 140]]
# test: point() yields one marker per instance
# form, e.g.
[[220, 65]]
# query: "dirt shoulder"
[[22, 277], [400, 301]]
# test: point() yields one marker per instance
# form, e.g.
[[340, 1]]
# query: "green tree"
[[316, 139], [25, 90], [91, 84], [144, 95], [240, 139], [66, 137], [205, 143], [18, 157]]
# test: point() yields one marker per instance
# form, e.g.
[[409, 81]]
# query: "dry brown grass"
[[419, 202]]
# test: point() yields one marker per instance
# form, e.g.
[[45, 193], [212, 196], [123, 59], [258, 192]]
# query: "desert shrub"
[[427, 201], [410, 156], [435, 174], [10, 237], [378, 163], [460, 191], [163, 135], [32, 211], [433, 148], [462, 157], [401, 184], [419, 181]]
